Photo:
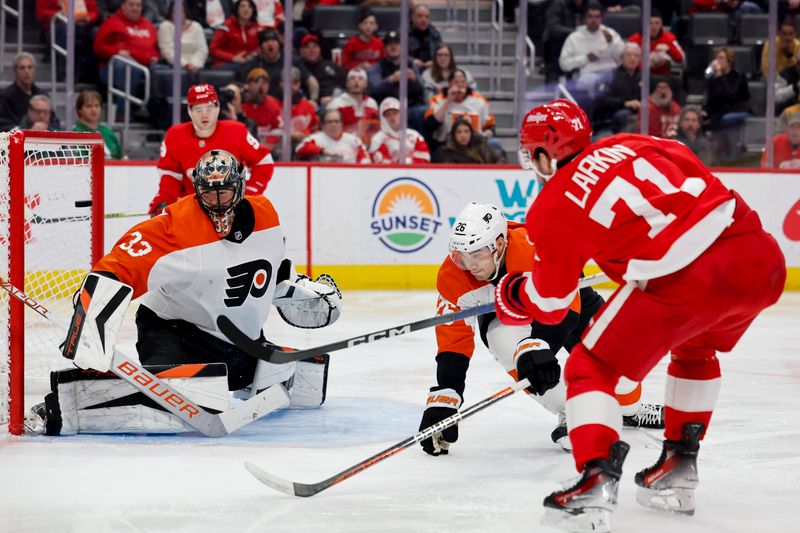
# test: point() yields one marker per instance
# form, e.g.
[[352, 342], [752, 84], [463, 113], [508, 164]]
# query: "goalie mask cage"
[[51, 233]]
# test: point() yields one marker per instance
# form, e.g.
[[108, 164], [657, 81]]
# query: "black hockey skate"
[[669, 484], [649, 415], [560, 435], [587, 505]]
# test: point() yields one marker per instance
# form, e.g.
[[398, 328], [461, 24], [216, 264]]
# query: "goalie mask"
[[473, 239], [219, 186], [558, 129]]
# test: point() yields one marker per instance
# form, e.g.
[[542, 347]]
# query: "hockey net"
[[51, 232]]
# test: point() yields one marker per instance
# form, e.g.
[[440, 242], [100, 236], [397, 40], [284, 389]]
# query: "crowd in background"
[[344, 91]]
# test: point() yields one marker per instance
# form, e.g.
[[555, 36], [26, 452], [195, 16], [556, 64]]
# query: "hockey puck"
[[83, 203]]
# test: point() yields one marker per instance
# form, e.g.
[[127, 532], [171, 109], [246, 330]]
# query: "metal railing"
[[55, 51], [496, 46], [125, 94], [7, 10]]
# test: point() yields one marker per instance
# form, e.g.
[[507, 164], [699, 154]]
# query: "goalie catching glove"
[[442, 403], [92, 333], [536, 362], [307, 303]]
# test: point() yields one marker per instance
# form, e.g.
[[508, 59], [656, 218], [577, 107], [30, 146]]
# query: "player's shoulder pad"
[[520, 252], [452, 282], [264, 212]]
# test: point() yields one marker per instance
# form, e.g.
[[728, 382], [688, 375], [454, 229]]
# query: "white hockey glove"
[[98, 314], [307, 303]]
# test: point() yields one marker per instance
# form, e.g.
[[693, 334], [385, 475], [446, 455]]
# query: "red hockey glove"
[[510, 300]]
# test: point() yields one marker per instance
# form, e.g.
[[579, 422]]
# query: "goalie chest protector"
[[186, 271]]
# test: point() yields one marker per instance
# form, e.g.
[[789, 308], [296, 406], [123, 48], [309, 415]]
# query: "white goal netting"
[[53, 180]]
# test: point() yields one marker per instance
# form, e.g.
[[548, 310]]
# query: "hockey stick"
[[36, 219], [275, 354], [207, 423], [305, 490]]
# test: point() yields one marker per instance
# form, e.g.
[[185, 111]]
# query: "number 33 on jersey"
[[196, 276]]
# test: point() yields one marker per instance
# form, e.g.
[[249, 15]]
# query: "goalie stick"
[[275, 354], [305, 490], [207, 423]]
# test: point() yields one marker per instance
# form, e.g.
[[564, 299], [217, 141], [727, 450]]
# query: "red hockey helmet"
[[200, 94], [560, 128]]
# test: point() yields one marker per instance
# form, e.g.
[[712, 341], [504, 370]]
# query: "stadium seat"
[[388, 18], [626, 24], [331, 20], [709, 28], [161, 82], [755, 129], [753, 29], [758, 97], [745, 61], [216, 77]]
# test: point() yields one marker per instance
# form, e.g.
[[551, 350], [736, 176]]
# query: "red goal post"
[[51, 233]]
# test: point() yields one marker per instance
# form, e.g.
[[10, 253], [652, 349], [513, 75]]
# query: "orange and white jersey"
[[385, 148], [185, 271], [458, 290], [346, 149], [474, 109]]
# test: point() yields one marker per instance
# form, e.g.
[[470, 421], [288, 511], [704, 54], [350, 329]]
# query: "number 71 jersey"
[[640, 207]]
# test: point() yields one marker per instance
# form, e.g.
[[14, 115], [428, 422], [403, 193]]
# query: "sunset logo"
[[405, 215]]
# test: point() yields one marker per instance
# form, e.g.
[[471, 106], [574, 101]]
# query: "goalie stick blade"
[[281, 485]]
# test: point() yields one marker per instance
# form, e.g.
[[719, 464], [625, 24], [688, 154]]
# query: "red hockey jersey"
[[181, 150], [640, 207]]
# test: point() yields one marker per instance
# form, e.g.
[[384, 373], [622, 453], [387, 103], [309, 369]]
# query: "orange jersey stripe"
[[182, 371]]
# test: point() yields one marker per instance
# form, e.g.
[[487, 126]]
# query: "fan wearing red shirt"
[[260, 106], [694, 267], [185, 143], [664, 48], [364, 49]]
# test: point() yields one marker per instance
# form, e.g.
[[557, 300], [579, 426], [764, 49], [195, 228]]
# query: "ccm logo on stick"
[[146, 379], [379, 335]]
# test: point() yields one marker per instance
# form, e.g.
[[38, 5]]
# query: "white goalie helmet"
[[474, 234]]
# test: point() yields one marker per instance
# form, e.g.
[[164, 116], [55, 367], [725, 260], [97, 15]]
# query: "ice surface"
[[493, 480]]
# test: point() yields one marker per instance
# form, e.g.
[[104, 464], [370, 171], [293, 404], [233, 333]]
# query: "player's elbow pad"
[[307, 303]]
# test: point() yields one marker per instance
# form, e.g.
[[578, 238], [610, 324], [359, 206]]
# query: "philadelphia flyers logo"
[[251, 278]]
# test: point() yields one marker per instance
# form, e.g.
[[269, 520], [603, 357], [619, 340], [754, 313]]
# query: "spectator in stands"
[[437, 76], [594, 50], [365, 49], [726, 6], [359, 111], [86, 17], [787, 86], [236, 41], [622, 101], [130, 35], [230, 107], [89, 108], [212, 13], [727, 95], [266, 110], [664, 48], [270, 58], [194, 48], [270, 13], [690, 133], [787, 45], [464, 146], [384, 80], [15, 97], [40, 116], [458, 101], [423, 38], [385, 145], [332, 144], [786, 145], [563, 16], [153, 10], [328, 74], [663, 110], [305, 119]]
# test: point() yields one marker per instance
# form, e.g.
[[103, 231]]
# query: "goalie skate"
[[649, 415], [587, 505], [669, 484]]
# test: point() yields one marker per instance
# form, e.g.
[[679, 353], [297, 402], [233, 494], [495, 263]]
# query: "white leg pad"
[[308, 385], [269, 374]]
